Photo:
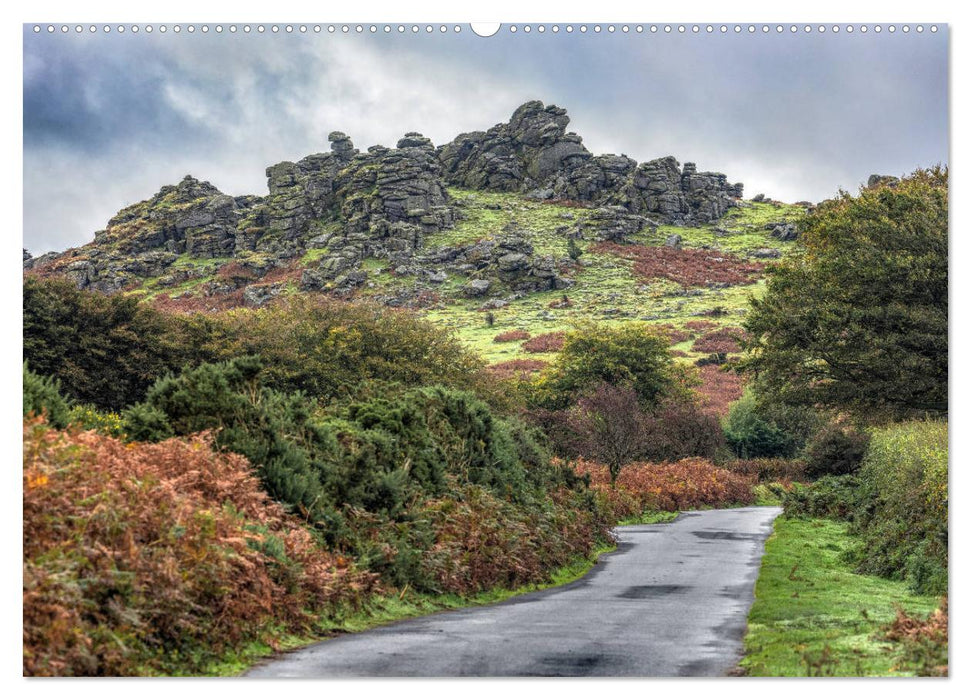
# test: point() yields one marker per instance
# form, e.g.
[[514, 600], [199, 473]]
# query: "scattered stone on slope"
[[768, 253], [613, 223], [782, 230]]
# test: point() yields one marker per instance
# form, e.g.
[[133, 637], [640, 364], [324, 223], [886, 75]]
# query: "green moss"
[[813, 616], [373, 264], [741, 231], [313, 255], [486, 214]]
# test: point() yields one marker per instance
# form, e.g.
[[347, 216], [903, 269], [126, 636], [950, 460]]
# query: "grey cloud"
[[108, 120]]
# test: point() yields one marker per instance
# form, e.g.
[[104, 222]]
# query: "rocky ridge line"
[[346, 206]]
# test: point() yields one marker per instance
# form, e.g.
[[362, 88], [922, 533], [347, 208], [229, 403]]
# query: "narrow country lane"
[[672, 600]]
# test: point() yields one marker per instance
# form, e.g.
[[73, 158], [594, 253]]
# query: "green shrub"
[[835, 451], [361, 473], [631, 355], [42, 396], [750, 433], [329, 349], [274, 431], [903, 523], [836, 497]]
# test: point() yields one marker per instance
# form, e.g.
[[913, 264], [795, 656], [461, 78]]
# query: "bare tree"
[[609, 426]]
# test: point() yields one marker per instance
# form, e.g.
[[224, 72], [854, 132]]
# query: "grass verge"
[[651, 517], [813, 616], [382, 610]]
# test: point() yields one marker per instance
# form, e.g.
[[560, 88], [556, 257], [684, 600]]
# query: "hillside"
[[519, 228]]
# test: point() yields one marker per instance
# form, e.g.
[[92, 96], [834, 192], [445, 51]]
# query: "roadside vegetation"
[[320, 465], [815, 616], [855, 578]]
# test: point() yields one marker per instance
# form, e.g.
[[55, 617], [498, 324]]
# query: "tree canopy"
[[630, 355], [858, 321]]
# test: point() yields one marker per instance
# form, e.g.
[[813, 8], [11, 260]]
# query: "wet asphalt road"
[[672, 600]]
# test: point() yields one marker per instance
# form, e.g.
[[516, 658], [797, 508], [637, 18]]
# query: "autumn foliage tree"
[[859, 320]]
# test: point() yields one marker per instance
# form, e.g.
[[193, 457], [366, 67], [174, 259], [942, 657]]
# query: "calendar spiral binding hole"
[[426, 29]]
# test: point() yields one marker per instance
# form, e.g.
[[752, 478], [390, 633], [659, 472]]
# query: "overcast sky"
[[109, 119]]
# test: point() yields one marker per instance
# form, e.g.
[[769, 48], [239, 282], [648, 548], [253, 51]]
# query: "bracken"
[[149, 558]]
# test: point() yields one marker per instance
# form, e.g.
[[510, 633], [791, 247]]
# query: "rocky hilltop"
[[329, 212]]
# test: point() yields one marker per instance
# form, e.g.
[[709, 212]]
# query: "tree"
[[631, 355], [609, 426], [104, 350], [751, 434], [858, 321]]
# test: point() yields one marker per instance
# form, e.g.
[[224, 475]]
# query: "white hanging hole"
[[485, 29]]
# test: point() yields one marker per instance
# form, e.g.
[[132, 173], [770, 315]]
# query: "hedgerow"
[[904, 515], [370, 461]]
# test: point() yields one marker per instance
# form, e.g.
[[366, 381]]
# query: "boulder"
[[768, 253], [785, 231], [477, 288]]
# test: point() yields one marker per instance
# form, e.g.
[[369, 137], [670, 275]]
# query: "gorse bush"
[[42, 397], [143, 559], [903, 518], [274, 431], [370, 463], [90, 418]]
